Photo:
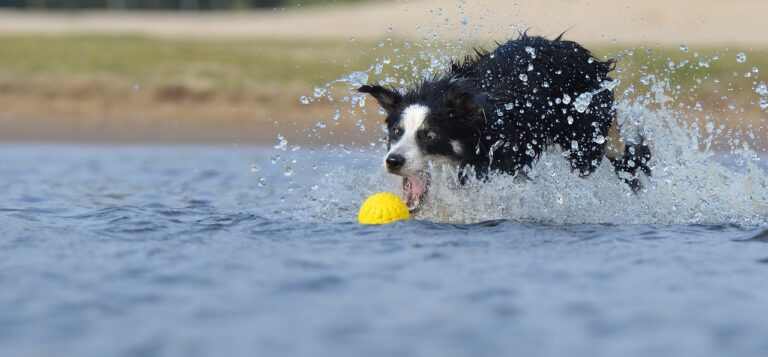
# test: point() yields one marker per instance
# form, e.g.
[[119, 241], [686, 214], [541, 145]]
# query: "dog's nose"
[[395, 161]]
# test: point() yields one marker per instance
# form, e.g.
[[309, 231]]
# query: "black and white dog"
[[497, 111]]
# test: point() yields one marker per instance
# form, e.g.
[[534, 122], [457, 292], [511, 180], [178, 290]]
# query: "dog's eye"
[[431, 135]]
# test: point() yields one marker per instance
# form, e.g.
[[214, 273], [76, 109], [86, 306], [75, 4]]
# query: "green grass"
[[227, 64], [236, 65]]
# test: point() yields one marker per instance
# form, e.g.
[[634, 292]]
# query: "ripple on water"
[[228, 261]]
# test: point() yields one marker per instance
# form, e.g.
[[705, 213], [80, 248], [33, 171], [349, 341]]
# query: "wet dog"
[[498, 111]]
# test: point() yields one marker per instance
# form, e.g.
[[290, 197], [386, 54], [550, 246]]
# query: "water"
[[129, 251]]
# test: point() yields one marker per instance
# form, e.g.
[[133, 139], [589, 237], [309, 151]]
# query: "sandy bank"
[[663, 22]]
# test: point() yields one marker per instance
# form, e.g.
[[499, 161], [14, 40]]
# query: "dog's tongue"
[[415, 187]]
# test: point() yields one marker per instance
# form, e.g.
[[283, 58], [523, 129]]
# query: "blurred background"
[[233, 71]]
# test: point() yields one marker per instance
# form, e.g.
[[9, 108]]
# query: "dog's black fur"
[[503, 123]]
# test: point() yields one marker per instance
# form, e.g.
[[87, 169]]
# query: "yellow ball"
[[383, 208]]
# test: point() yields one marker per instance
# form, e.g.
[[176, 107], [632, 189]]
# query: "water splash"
[[688, 187], [582, 101], [704, 170]]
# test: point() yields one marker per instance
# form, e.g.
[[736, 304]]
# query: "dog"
[[497, 111]]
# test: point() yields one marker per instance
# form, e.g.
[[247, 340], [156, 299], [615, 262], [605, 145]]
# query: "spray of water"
[[692, 183]]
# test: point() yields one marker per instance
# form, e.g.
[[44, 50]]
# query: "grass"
[[238, 64], [204, 78], [226, 64]]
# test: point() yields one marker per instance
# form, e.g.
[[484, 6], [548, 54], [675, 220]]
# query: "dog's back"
[[543, 92]]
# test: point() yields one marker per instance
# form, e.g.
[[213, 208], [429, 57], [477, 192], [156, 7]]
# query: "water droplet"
[[509, 106], [599, 139], [703, 63], [282, 143], [741, 57], [288, 172], [496, 146], [356, 79], [710, 127], [304, 100], [464, 21], [570, 120], [262, 181], [684, 48], [582, 102], [762, 89], [320, 125], [320, 91], [314, 187], [530, 51], [574, 145], [523, 77], [764, 103], [566, 99], [336, 115], [609, 85]]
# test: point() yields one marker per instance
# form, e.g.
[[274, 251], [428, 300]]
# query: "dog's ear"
[[388, 99], [468, 106]]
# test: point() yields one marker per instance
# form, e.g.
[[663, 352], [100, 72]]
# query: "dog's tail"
[[635, 158]]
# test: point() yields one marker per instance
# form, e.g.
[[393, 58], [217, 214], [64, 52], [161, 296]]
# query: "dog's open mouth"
[[415, 188]]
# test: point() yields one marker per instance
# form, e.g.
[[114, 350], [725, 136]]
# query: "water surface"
[[128, 251]]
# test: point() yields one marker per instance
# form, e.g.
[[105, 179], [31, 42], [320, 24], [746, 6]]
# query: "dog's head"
[[439, 123]]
